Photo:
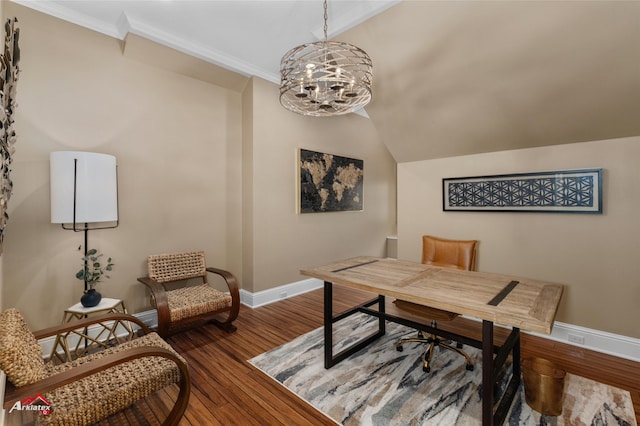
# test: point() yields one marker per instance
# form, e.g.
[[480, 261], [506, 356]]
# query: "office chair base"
[[433, 341]]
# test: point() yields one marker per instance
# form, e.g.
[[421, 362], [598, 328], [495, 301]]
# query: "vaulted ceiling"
[[450, 77]]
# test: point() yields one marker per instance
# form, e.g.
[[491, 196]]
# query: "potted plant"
[[92, 273]]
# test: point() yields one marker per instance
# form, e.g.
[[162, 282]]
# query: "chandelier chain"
[[326, 18]]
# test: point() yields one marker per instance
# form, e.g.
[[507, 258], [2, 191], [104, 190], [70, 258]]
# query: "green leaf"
[[94, 270]]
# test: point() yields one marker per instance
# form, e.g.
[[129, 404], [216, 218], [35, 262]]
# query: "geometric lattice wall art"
[[567, 191]]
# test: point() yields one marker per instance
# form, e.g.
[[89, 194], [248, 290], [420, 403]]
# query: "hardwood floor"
[[227, 390]]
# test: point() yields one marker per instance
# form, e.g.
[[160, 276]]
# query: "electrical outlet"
[[575, 338]]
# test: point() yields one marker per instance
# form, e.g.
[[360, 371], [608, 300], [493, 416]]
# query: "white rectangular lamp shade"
[[96, 187]]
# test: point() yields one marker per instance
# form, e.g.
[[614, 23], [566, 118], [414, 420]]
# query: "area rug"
[[381, 386]]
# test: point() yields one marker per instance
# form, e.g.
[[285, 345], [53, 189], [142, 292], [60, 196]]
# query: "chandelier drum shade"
[[325, 78], [84, 187]]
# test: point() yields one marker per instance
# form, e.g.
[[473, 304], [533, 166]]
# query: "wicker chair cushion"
[[95, 397], [20, 354], [187, 302]]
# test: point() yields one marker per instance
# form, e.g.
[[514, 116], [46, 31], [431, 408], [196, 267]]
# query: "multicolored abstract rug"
[[381, 386]]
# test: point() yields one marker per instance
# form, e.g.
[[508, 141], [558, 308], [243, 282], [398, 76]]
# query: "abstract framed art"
[[565, 191], [329, 183]]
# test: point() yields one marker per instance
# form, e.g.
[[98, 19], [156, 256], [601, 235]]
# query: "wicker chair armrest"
[[85, 322], [158, 290], [232, 283], [13, 394], [159, 294]]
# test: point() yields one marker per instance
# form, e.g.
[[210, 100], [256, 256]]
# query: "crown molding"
[[68, 15], [199, 51], [125, 25]]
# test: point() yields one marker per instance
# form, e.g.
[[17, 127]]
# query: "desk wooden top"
[[529, 305]]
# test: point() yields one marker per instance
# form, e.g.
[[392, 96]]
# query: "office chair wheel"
[[399, 348], [426, 369], [459, 345], [470, 367]]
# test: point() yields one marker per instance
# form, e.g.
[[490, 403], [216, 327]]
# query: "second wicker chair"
[[189, 305]]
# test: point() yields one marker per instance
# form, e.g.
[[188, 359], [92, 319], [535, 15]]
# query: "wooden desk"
[[516, 302]]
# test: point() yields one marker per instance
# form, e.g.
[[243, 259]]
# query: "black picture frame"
[[563, 191], [329, 182]]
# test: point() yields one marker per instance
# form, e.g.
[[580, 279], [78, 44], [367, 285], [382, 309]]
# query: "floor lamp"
[[84, 192]]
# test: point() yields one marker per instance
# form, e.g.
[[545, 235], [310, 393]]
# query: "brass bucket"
[[543, 386]]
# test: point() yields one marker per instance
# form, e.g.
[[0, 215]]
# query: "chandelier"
[[325, 77]]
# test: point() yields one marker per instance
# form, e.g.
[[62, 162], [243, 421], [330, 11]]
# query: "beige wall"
[[200, 167], [595, 256], [284, 241], [176, 140]]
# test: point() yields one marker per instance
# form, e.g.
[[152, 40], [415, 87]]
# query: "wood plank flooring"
[[227, 390]]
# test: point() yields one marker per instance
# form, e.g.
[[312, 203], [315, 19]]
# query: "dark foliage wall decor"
[[9, 71]]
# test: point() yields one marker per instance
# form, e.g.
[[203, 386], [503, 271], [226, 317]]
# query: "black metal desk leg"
[[382, 323], [487, 373], [331, 359], [328, 324], [516, 357]]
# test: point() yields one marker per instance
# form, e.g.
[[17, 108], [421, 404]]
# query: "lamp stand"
[[86, 262], [86, 228]]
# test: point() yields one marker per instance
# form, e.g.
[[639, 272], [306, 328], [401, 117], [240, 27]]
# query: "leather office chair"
[[460, 254]]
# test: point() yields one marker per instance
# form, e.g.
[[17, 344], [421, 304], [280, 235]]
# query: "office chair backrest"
[[460, 254]]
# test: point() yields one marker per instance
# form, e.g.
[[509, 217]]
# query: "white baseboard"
[[595, 340], [149, 318], [253, 300], [265, 297], [600, 341], [2, 387]]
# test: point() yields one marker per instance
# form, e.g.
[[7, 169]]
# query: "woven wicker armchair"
[[90, 388], [189, 305]]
